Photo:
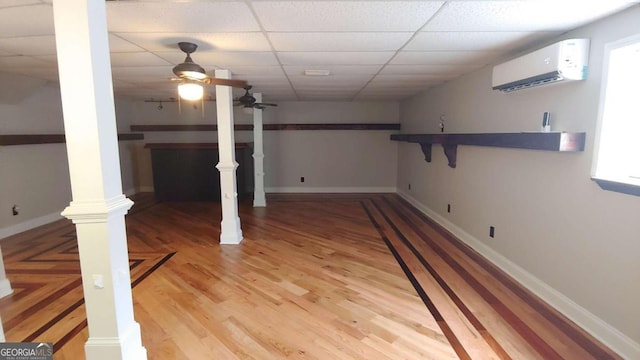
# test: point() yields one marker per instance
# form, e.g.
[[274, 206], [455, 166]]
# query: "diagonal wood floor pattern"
[[317, 277]]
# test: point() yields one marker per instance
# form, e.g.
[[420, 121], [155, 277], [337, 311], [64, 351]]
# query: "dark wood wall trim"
[[34, 139], [191, 145], [270, 127]]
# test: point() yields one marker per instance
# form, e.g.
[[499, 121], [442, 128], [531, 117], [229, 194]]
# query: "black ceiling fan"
[[249, 101], [190, 71]]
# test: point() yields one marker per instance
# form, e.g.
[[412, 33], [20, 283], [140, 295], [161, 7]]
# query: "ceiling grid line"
[[384, 50], [415, 33]]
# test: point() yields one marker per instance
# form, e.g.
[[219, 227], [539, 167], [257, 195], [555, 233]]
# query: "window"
[[617, 149]]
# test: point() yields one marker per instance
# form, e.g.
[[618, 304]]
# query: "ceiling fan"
[[249, 101], [190, 72]]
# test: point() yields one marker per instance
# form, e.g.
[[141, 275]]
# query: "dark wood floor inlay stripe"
[[564, 324], [330, 276], [453, 340], [520, 326], [491, 341]]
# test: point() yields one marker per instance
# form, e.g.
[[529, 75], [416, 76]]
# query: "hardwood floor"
[[316, 277]]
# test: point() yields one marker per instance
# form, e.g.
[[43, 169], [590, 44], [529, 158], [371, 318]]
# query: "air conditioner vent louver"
[[562, 61]]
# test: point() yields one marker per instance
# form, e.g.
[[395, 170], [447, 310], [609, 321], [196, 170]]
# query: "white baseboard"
[[29, 224], [324, 190], [597, 327], [46, 219]]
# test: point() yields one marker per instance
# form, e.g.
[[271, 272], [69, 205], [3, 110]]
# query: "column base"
[[259, 200], [5, 288], [127, 347], [231, 235]]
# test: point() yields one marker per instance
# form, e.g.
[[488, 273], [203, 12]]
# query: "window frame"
[[604, 181]]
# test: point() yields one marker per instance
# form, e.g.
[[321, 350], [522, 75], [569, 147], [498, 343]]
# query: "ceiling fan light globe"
[[190, 91], [247, 110]]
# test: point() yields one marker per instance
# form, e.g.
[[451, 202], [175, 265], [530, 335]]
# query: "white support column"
[[5, 285], [259, 198], [230, 231], [5, 289], [98, 206]]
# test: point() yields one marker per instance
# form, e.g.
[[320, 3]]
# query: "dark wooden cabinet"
[[187, 172]]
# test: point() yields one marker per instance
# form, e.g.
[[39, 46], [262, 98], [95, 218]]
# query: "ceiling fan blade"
[[265, 104], [227, 82]]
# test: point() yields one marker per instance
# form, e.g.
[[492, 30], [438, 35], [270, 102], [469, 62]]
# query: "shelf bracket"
[[426, 150], [451, 152]]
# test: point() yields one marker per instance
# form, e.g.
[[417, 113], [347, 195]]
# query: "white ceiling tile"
[[258, 70], [170, 17], [117, 44], [381, 84], [51, 60], [46, 45], [33, 20], [344, 15], [14, 62], [10, 3], [264, 77], [143, 74], [520, 15], [32, 45], [326, 97], [334, 69], [48, 73], [405, 80], [466, 41], [334, 58], [213, 41], [339, 41], [389, 96], [351, 39], [136, 59], [444, 57], [332, 80], [264, 83], [223, 59], [442, 70]]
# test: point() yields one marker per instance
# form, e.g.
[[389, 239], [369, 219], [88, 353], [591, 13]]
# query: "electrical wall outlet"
[[302, 179], [492, 231], [15, 210], [448, 208]]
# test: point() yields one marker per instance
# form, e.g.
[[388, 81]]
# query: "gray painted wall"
[[36, 177], [329, 160], [551, 220]]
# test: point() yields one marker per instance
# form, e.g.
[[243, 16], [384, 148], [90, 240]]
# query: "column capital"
[[97, 211]]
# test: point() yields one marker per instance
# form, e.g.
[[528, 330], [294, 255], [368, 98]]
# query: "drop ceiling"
[[374, 50]]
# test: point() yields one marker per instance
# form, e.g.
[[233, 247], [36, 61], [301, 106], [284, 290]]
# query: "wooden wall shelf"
[[551, 141], [269, 127], [34, 139]]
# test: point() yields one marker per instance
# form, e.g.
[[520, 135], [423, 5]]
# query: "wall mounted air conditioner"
[[563, 61]]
